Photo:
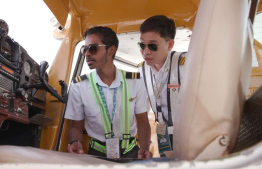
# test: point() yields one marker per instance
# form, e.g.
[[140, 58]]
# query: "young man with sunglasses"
[[111, 102], [162, 73]]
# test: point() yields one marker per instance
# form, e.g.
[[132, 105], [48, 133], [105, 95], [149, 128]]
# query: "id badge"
[[163, 142], [112, 148], [161, 129]]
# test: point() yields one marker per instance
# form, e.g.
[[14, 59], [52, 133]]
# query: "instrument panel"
[[19, 80], [23, 87]]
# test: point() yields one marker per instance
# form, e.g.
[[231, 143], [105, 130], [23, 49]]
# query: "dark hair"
[[160, 24], [106, 34]]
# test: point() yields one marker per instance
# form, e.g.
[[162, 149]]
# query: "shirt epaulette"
[[79, 78], [182, 60], [140, 64], [132, 75]]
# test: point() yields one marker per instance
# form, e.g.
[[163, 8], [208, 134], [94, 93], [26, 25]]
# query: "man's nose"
[[87, 54], [147, 51]]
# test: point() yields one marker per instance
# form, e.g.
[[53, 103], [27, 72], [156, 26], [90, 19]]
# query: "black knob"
[[20, 92]]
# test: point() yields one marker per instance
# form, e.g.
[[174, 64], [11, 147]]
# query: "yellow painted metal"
[[259, 8], [60, 34], [60, 70], [65, 140], [60, 9], [258, 50], [123, 16], [256, 71]]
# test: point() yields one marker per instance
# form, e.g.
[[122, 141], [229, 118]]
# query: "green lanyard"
[[125, 107]]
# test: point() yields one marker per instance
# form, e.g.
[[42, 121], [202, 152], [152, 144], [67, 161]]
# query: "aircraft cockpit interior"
[[217, 122]]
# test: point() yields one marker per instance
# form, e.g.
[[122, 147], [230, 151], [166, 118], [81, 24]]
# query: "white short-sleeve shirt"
[[161, 77], [82, 105]]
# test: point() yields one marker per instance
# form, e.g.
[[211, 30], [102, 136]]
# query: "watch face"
[[3, 28], [27, 68]]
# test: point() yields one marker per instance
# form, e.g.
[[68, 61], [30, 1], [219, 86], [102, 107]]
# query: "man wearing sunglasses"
[[111, 102], [162, 73]]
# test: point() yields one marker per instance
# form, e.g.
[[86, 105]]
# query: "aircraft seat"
[[216, 81], [250, 132]]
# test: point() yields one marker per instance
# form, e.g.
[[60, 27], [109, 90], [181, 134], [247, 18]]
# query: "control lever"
[[42, 71], [63, 90]]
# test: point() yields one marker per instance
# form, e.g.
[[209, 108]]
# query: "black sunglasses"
[[92, 49], [151, 46]]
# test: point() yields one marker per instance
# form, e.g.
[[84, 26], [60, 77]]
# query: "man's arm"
[[144, 135], [75, 137]]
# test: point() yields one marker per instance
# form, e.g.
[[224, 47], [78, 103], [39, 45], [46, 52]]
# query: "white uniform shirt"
[[161, 76], [82, 105]]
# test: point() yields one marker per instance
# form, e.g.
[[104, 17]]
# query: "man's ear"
[[111, 50], [171, 44]]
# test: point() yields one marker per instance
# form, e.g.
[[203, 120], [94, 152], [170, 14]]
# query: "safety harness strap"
[[105, 119], [149, 84], [102, 148], [126, 113], [173, 86], [95, 145], [130, 147], [125, 104]]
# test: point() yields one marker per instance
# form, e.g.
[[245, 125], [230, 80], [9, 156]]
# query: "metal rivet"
[[224, 141]]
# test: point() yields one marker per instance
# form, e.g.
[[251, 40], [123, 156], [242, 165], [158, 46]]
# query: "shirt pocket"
[[92, 111], [93, 118], [118, 119], [131, 108]]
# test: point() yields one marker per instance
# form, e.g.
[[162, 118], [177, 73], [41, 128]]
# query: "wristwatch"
[[73, 142], [144, 149]]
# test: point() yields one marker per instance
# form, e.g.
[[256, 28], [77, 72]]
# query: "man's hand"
[[75, 134], [75, 148], [144, 154]]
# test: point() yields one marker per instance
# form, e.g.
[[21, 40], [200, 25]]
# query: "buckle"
[[126, 136], [109, 134], [91, 142]]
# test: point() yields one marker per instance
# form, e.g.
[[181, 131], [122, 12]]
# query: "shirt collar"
[[154, 71], [116, 83]]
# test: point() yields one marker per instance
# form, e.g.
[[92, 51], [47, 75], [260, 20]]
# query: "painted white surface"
[[250, 158]]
